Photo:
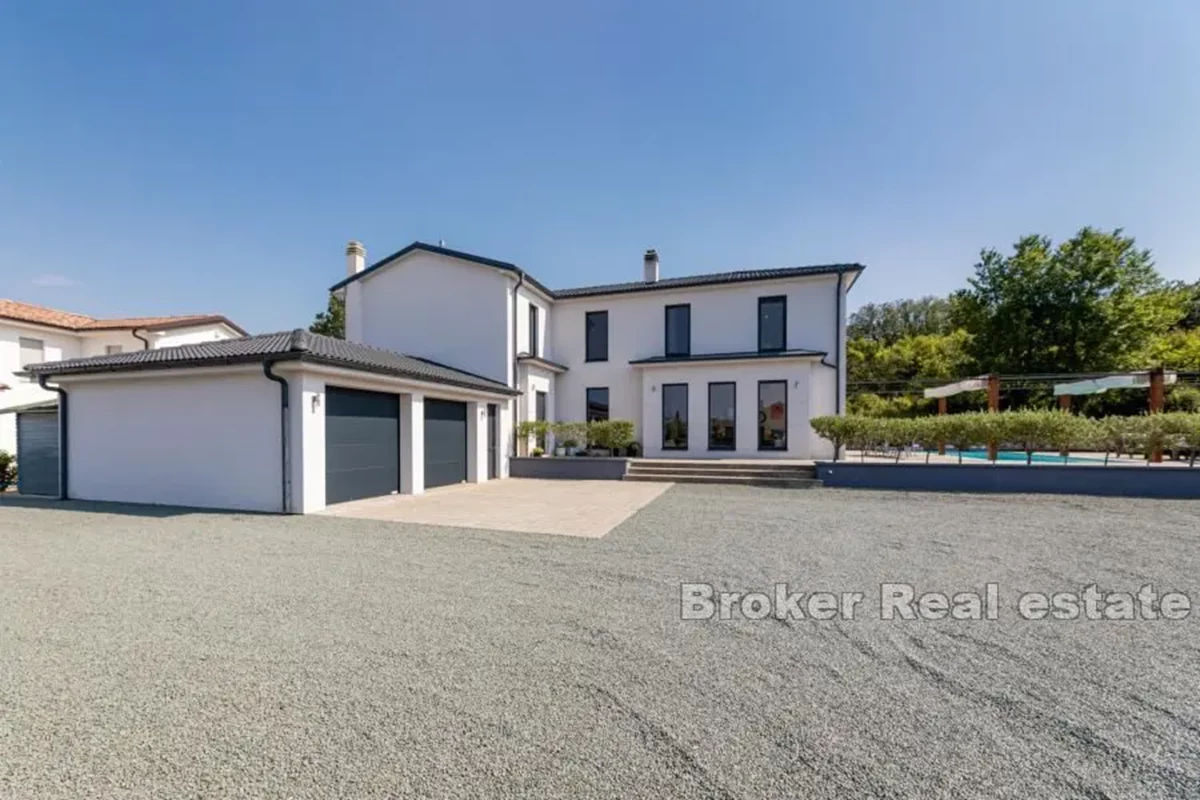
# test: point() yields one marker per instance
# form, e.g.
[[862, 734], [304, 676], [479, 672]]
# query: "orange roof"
[[40, 315]]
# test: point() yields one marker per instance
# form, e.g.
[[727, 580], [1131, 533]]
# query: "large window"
[[678, 330], [675, 416], [597, 403], [33, 351], [722, 416], [772, 415], [539, 412], [596, 332], [533, 331], [772, 323]]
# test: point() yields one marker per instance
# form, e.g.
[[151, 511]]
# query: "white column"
[[412, 443], [307, 442], [477, 453]]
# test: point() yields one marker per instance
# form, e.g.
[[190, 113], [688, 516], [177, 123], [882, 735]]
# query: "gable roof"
[[67, 320], [297, 345], [711, 279]]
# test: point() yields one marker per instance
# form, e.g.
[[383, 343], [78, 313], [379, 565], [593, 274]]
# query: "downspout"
[[515, 363], [145, 341], [837, 325], [62, 434], [299, 344]]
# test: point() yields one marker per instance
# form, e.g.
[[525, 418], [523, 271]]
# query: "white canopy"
[[969, 385], [1130, 380]]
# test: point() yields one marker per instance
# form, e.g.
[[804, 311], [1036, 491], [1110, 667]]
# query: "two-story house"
[[726, 365], [444, 353], [32, 334]]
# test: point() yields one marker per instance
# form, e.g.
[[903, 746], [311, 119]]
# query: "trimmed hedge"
[[1028, 431], [609, 434]]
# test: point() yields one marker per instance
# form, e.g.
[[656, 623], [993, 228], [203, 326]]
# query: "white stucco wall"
[[797, 374], [724, 319], [545, 341], [436, 307], [58, 345], [207, 438]]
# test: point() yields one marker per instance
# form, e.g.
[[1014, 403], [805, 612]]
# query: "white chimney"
[[650, 266], [356, 258]]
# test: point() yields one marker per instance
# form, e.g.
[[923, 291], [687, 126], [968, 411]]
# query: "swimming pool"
[[1038, 458]]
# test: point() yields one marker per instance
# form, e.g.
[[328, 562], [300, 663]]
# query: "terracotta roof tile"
[[40, 315]]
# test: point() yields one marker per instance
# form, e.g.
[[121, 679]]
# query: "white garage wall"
[[210, 440]]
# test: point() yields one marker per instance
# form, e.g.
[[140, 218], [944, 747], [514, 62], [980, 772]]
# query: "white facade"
[[58, 344], [458, 310]]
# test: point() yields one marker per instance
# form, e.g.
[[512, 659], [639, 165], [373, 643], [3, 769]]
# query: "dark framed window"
[[539, 413], [533, 331], [675, 416], [772, 323], [772, 415], [722, 416], [678, 331], [597, 403], [596, 336]]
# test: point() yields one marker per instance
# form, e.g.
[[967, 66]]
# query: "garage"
[[37, 449], [445, 442], [362, 444]]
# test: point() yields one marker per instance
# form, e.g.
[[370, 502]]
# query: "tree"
[[1089, 304], [331, 321], [888, 323]]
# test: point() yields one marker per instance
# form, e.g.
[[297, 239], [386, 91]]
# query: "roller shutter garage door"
[[362, 444], [37, 452], [445, 442]]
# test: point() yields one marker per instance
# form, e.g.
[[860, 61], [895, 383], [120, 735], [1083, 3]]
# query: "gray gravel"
[[174, 654]]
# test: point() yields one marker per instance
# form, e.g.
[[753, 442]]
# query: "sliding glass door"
[[722, 416], [772, 415]]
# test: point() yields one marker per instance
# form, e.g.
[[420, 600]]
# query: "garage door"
[[362, 444], [445, 442], [37, 453]]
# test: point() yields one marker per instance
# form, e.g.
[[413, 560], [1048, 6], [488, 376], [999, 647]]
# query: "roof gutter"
[[145, 341], [62, 434], [298, 345]]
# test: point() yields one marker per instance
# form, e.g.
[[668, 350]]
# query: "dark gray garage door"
[[445, 442], [362, 444], [37, 453]]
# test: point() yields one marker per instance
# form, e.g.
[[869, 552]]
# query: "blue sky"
[[157, 158]]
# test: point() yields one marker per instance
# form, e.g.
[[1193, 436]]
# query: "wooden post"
[[1157, 401], [993, 390], [941, 413]]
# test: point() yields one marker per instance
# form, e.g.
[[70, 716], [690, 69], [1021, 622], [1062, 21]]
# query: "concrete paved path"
[[570, 508]]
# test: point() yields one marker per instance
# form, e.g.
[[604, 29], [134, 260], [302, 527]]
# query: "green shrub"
[[8, 469], [610, 434], [569, 434]]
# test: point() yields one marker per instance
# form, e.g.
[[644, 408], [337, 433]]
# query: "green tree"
[[331, 321], [1088, 304], [888, 323]]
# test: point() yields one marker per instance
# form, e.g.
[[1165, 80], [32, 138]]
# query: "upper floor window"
[[772, 323], [533, 331], [597, 403], [678, 330], [33, 351], [596, 334]]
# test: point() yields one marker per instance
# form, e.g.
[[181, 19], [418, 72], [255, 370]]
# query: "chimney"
[[356, 258], [650, 266]]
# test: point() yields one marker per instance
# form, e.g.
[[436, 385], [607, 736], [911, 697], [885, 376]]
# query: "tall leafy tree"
[[888, 323], [1091, 303], [331, 321]]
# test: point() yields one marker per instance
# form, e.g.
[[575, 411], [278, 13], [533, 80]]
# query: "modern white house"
[[32, 334], [727, 365]]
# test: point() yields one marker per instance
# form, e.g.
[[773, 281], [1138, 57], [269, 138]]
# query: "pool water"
[[1038, 458]]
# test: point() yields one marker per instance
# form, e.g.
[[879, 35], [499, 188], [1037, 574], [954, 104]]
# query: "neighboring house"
[[727, 365], [31, 334]]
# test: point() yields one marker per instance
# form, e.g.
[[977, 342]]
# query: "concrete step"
[[727, 480], [808, 473]]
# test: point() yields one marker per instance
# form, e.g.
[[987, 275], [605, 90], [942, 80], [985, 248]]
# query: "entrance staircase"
[[733, 473]]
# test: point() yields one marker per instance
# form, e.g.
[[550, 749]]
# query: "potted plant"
[[538, 452], [569, 446], [8, 469]]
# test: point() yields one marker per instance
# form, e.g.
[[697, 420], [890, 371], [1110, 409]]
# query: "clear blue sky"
[[159, 159]]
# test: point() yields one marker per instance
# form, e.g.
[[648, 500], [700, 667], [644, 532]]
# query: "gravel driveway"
[[174, 654]]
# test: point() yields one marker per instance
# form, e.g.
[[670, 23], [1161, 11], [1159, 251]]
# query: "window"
[[33, 351], [772, 323], [722, 416], [678, 331], [596, 333], [112, 349], [772, 415], [597, 404], [539, 412], [675, 416], [533, 331]]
